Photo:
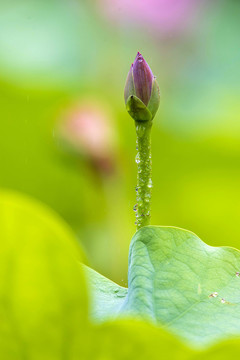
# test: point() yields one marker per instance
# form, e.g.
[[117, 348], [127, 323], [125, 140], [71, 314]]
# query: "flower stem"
[[144, 173]]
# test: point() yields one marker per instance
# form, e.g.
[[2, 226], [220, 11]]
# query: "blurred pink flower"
[[163, 15], [87, 128]]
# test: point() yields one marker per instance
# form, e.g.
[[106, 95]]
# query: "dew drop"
[[150, 185], [137, 159]]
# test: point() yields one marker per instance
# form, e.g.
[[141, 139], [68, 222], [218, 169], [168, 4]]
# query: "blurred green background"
[[66, 138]]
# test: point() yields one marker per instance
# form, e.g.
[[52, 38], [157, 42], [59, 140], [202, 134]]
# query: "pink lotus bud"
[[141, 91]]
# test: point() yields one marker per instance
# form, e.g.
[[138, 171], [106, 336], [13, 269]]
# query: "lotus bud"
[[141, 94]]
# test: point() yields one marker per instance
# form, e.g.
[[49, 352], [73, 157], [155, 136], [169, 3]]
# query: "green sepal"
[[154, 101], [129, 87], [137, 109]]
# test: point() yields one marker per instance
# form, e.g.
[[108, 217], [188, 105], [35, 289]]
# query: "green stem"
[[144, 173]]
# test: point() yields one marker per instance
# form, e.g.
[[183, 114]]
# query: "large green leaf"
[[43, 303], [179, 282], [43, 309]]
